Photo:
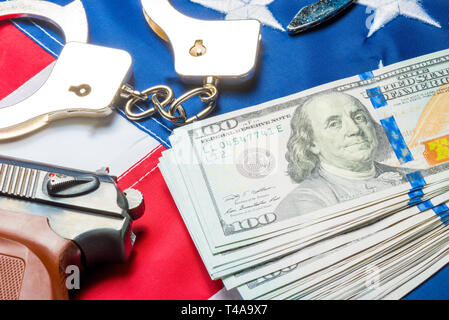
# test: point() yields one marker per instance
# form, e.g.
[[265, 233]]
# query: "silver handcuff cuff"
[[87, 80]]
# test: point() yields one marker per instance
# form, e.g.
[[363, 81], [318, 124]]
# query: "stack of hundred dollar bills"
[[337, 192]]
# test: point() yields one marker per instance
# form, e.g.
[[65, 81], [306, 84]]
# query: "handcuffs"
[[87, 80]]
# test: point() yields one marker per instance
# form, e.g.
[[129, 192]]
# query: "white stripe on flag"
[[28, 88]]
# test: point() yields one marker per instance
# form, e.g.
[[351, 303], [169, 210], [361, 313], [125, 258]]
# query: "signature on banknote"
[[248, 200]]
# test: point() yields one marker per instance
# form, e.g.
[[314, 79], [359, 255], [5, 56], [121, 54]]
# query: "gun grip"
[[33, 258]]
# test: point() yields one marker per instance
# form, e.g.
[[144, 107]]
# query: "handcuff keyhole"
[[198, 49], [81, 90]]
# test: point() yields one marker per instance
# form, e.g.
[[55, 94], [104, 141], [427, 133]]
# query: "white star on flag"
[[388, 10], [243, 9]]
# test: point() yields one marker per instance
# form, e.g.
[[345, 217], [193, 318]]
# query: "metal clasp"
[[170, 108]]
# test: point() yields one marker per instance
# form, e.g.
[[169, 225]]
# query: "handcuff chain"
[[164, 102]]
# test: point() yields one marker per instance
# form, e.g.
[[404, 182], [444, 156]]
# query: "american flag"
[[165, 264]]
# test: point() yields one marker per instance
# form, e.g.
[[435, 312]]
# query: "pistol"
[[54, 219]]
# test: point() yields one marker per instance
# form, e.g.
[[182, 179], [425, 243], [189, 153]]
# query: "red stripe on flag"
[[128, 178], [165, 263], [20, 59]]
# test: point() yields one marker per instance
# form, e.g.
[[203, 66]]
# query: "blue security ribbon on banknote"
[[397, 142], [403, 154]]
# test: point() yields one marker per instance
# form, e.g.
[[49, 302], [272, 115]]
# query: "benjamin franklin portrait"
[[333, 154]]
